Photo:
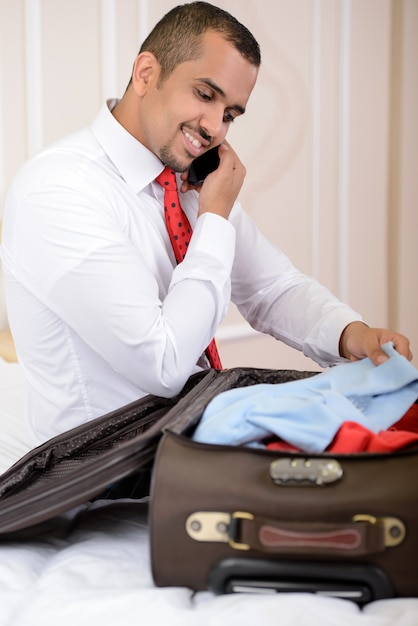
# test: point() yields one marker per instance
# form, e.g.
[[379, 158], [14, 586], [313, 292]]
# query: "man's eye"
[[229, 117], [204, 95]]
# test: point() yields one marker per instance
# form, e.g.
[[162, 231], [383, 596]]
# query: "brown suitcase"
[[229, 518]]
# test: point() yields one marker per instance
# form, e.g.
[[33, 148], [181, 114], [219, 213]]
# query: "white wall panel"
[[72, 69], [369, 132], [329, 139], [109, 49], [144, 25], [325, 131], [33, 72], [403, 225], [12, 90]]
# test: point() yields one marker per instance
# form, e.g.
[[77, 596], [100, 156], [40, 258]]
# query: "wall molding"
[[2, 142], [143, 21], [344, 150], [236, 332], [34, 76], [316, 139], [109, 49]]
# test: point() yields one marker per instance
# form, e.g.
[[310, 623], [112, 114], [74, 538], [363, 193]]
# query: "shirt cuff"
[[323, 345], [215, 236]]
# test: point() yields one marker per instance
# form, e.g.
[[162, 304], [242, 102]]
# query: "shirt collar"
[[137, 165]]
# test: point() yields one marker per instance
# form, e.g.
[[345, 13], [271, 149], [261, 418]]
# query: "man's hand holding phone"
[[218, 186]]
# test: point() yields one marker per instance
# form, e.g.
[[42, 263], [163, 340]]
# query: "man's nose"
[[212, 122]]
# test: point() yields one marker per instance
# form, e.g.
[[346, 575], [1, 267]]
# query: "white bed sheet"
[[94, 568]]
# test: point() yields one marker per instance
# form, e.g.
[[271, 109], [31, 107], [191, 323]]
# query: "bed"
[[92, 565]]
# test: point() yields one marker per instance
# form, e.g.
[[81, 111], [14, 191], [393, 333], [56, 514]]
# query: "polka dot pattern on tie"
[[178, 226]]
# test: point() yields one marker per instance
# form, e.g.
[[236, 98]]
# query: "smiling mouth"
[[193, 140]]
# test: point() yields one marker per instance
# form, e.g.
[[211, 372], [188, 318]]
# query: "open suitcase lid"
[[80, 464]]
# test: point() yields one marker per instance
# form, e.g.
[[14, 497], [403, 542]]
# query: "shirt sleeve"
[[277, 299], [148, 321]]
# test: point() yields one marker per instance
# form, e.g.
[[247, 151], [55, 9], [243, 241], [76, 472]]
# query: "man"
[[100, 312]]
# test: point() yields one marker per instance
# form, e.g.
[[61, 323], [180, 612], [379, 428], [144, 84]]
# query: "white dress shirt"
[[100, 313]]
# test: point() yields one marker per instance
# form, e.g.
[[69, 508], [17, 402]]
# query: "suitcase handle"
[[364, 534], [352, 581]]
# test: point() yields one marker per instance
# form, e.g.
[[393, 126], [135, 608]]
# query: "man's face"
[[191, 110]]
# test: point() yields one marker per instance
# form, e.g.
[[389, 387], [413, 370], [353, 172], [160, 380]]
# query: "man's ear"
[[145, 72]]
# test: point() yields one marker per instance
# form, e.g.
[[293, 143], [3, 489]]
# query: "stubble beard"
[[171, 160]]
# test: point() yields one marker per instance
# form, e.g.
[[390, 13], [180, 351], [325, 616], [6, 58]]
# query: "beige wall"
[[330, 139]]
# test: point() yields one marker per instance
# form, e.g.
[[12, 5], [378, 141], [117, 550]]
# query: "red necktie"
[[180, 232]]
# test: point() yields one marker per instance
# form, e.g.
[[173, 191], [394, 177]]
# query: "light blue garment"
[[308, 413]]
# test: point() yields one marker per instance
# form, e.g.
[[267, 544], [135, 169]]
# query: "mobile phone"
[[203, 165]]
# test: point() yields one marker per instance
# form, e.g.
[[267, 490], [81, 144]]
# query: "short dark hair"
[[177, 37]]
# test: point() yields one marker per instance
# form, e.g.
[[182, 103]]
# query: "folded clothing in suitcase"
[[233, 518]]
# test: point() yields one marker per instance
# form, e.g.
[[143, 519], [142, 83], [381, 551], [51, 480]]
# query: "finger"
[[378, 357], [401, 345], [225, 152], [186, 187]]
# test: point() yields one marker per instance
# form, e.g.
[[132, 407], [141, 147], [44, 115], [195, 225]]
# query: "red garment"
[[409, 421], [353, 437]]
